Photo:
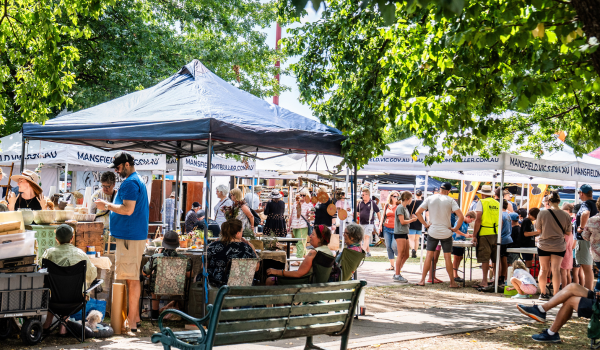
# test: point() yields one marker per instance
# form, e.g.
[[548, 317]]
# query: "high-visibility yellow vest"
[[489, 217]]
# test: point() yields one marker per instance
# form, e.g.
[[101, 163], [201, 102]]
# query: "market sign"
[[570, 171], [219, 166]]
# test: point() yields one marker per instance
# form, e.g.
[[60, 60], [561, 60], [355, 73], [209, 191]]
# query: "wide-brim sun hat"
[[276, 194], [486, 190], [29, 176], [171, 240]]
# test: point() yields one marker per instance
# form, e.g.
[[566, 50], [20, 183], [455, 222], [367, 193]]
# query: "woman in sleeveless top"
[[30, 193], [319, 239], [241, 210]]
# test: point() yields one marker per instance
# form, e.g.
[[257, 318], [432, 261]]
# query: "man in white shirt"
[[440, 206], [253, 199]]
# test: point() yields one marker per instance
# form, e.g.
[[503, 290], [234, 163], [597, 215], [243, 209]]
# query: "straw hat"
[[276, 194], [30, 176], [486, 190]]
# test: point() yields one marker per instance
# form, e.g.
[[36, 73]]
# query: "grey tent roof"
[[178, 114]]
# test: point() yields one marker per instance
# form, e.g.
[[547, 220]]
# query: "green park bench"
[[253, 314]]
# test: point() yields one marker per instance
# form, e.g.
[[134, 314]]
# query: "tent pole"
[[522, 194], [354, 192], [422, 228], [177, 193], [498, 262], [208, 190], [23, 141], [528, 199], [576, 193], [66, 175], [164, 197]]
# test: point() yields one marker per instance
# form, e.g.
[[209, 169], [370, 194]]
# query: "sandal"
[[391, 268], [436, 281]]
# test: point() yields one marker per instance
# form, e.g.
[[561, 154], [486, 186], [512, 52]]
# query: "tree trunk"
[[588, 12]]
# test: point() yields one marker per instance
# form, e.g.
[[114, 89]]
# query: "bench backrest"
[[308, 309]]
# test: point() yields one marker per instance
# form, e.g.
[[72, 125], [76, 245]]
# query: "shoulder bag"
[[308, 225], [557, 222]]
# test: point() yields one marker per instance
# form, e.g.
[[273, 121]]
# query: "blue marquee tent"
[[178, 115]]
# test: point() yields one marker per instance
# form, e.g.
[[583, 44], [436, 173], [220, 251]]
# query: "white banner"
[[219, 166], [569, 171]]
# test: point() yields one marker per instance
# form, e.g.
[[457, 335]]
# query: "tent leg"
[[498, 262], [177, 193], [162, 201], [23, 141], [66, 175], [576, 193], [422, 229], [522, 194], [354, 193], [208, 191]]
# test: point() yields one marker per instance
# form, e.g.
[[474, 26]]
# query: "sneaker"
[[544, 337], [520, 296], [414, 254], [533, 312], [400, 279], [368, 255], [544, 297], [458, 279]]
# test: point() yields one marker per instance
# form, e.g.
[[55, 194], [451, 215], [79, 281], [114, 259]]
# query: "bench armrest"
[[196, 321]]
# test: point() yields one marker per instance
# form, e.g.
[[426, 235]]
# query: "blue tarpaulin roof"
[[178, 114]]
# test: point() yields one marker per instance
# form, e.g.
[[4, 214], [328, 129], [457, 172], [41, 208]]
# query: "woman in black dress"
[[275, 223]]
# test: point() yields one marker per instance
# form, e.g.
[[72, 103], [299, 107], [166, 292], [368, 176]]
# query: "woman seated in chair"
[[319, 238], [353, 254], [231, 245], [170, 243]]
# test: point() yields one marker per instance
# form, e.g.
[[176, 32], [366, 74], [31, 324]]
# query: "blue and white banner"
[[219, 166], [574, 170]]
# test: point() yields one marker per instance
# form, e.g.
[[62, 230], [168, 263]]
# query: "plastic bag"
[[92, 304]]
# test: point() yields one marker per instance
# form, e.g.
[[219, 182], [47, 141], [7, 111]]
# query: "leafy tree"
[[135, 44], [453, 77], [36, 57]]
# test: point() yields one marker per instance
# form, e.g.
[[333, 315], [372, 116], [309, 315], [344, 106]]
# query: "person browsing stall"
[[402, 222], [387, 228], [583, 256], [222, 192], [192, 221], [106, 192], [129, 215], [415, 228], [30, 193], [461, 235], [440, 206], [366, 210], [486, 231]]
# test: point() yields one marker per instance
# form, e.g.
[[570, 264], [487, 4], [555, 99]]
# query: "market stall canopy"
[[561, 167], [177, 116], [419, 184]]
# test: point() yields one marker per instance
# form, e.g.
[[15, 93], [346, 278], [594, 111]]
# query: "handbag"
[[257, 218], [308, 225], [384, 211]]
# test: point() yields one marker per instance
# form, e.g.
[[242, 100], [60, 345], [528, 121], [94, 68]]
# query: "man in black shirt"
[[415, 228], [583, 255], [528, 233], [191, 218]]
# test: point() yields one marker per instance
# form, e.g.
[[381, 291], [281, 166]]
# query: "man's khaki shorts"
[[128, 259], [486, 248]]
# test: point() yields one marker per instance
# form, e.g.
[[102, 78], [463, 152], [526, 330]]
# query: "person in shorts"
[[461, 235], [366, 209], [440, 206], [574, 297], [486, 231], [583, 254], [129, 215], [416, 228]]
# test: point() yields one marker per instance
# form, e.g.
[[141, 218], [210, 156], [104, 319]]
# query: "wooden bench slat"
[[296, 321], [287, 298], [274, 334], [305, 288], [281, 311]]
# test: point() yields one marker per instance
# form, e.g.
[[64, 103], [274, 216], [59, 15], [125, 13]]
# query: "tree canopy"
[[498, 73], [131, 45]]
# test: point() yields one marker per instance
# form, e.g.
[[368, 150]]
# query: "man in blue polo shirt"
[[129, 215]]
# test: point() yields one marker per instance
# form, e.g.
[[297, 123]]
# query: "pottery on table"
[[27, 215], [44, 217], [64, 215]]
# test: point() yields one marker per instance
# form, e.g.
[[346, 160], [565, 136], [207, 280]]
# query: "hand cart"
[[23, 301]]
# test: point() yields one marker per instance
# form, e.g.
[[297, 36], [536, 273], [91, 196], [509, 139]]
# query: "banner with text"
[[563, 170], [219, 166]]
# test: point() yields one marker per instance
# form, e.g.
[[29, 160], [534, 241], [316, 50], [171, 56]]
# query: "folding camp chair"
[[241, 274], [171, 279], [322, 265], [67, 293]]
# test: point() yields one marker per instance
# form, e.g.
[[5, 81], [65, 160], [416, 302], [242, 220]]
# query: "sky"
[[289, 99]]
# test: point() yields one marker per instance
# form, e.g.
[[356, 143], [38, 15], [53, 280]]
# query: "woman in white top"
[[241, 210], [299, 220], [222, 192]]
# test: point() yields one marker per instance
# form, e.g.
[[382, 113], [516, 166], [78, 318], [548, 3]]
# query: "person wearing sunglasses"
[[106, 192]]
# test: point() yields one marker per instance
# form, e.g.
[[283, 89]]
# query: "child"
[[462, 235], [522, 281]]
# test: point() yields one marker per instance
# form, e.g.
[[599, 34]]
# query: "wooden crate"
[[89, 234]]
